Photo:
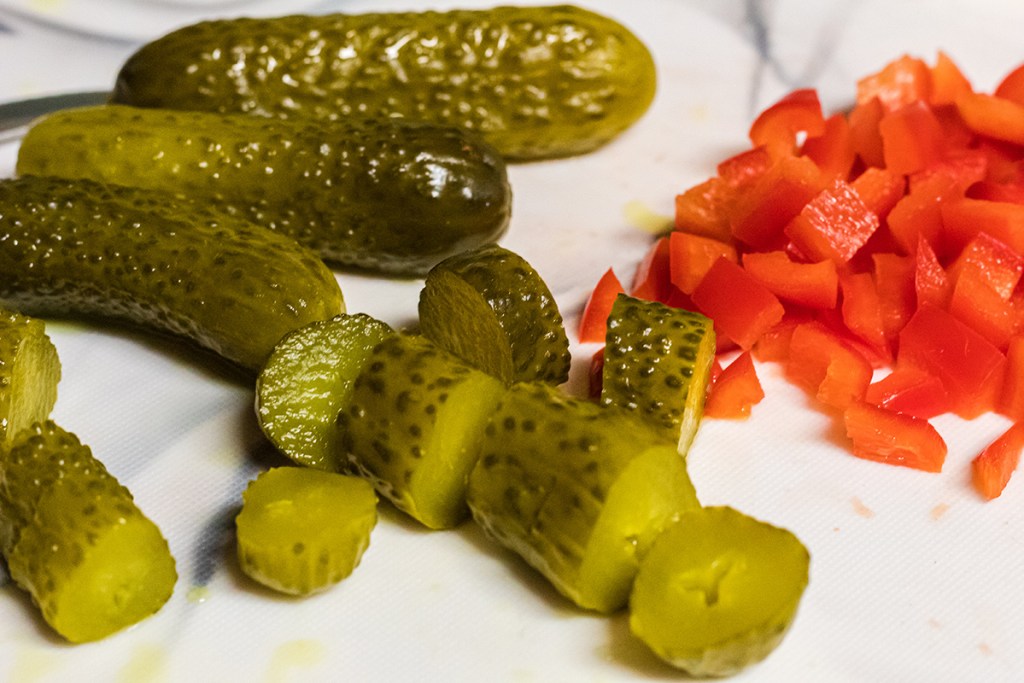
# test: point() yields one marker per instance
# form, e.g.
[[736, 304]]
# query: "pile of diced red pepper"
[[887, 237]]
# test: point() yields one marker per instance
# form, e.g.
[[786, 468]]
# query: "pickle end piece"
[[308, 380], [455, 316], [302, 530], [653, 491], [126, 575], [718, 591], [30, 371]]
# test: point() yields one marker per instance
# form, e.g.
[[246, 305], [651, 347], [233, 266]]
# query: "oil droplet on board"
[[198, 594], [148, 664]]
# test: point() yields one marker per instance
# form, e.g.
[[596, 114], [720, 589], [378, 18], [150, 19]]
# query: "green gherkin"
[[308, 380], [81, 248], [413, 426], [29, 373], [577, 489], [383, 194], [491, 308], [535, 81], [657, 363], [74, 539]]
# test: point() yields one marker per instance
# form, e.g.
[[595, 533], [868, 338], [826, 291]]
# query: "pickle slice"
[[492, 309], [414, 424], [718, 591], [74, 538], [308, 380], [29, 373], [657, 363], [578, 490], [302, 530]]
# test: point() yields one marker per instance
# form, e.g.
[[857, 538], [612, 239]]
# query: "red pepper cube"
[[833, 225], [970, 367], [894, 438], [773, 345], [992, 262], [691, 257], [919, 213], [861, 312], [879, 189], [932, 284], [1011, 399], [948, 81], [964, 219], [704, 209], [992, 116], [992, 468], [814, 285], [912, 138], [1012, 86], [894, 280], [742, 308], [976, 304], [779, 127], [901, 82], [833, 150], [827, 366], [866, 139], [594, 320], [773, 201], [909, 390], [735, 390], [651, 279], [595, 374]]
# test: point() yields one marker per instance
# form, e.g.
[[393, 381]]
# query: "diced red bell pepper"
[[894, 280], [1012, 86], [743, 169], [879, 189], [1011, 191], [741, 307], [909, 390], [778, 127], [919, 213], [963, 219], [1011, 399], [651, 280], [866, 139], [833, 225], [912, 138], [595, 374], [992, 468], [705, 208], [948, 81], [594, 320], [970, 367], [992, 116], [826, 366], [772, 202], [691, 257], [833, 150], [991, 261], [975, 303], [814, 285], [861, 312], [735, 390], [894, 438], [931, 281], [903, 81], [773, 345]]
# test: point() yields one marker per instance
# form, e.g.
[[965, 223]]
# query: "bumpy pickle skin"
[[657, 363], [75, 540], [718, 591], [537, 82], [492, 309], [413, 426], [578, 490], [301, 531], [386, 195], [29, 373], [86, 249], [308, 380]]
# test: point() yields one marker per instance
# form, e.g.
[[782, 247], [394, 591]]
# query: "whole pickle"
[[80, 248], [388, 195], [538, 82]]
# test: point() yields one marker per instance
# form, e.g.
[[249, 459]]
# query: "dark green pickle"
[[85, 249], [537, 82], [492, 309], [387, 195]]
